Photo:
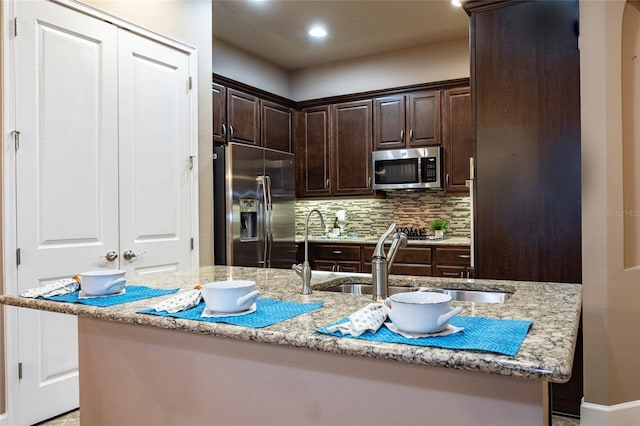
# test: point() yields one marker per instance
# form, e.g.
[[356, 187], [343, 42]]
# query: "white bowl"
[[103, 282], [229, 296], [420, 311]]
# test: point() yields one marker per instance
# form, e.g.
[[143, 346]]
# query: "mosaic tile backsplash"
[[371, 217]]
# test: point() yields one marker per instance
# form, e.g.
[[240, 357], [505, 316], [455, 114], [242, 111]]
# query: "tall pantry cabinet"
[[103, 178], [526, 94]]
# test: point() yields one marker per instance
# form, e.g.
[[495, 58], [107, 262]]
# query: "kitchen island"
[[145, 369]]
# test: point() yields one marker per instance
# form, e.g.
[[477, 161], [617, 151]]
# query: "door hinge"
[[191, 157], [192, 243], [15, 27], [18, 257], [19, 371], [190, 83], [16, 139]]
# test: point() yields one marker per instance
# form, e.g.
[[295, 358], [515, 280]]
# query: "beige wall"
[[437, 62], [611, 309], [188, 21], [234, 63], [3, 392]]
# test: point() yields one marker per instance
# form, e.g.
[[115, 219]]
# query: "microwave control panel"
[[429, 168]]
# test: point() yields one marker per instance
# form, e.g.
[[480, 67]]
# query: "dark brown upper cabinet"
[[351, 148], [219, 93], [334, 150], [251, 118], [457, 138], [407, 120], [276, 126], [243, 117], [313, 153]]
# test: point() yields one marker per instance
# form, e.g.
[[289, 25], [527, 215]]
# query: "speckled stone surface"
[[546, 354]]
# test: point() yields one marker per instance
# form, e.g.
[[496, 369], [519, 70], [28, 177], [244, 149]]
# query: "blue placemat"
[[503, 336], [268, 312], [133, 293]]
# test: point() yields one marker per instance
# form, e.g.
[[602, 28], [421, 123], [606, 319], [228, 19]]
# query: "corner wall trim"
[[626, 413]]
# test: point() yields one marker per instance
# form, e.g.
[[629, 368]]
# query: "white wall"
[[435, 62], [231, 62]]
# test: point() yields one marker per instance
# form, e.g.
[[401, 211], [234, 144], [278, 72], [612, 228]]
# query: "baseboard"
[[623, 414]]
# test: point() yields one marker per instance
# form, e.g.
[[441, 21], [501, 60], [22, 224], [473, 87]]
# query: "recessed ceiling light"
[[456, 3], [317, 31]]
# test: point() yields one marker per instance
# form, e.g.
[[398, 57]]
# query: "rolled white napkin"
[[180, 302], [369, 318], [56, 288]]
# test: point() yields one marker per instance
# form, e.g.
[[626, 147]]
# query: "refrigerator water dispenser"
[[248, 219]]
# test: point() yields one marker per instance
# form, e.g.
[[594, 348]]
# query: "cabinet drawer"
[[419, 255], [336, 252], [453, 256]]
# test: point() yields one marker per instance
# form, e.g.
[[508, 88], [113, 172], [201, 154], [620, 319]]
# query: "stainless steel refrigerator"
[[254, 206]]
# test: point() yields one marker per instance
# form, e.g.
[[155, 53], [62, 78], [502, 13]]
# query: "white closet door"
[[155, 174], [66, 183]]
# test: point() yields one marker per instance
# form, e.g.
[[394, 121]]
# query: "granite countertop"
[[546, 354], [350, 239]]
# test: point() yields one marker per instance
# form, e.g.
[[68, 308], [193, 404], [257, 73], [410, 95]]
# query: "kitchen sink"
[[366, 288], [461, 295]]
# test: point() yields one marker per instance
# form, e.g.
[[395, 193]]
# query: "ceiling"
[[276, 30]]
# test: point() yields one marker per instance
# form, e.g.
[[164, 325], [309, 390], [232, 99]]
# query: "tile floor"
[[73, 419]]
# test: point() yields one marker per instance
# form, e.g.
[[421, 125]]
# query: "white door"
[[67, 184], [103, 165], [155, 167]]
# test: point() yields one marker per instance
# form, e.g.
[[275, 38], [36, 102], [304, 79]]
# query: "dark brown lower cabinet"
[[412, 260], [408, 261], [525, 85]]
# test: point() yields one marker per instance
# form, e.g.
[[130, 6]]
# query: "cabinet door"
[[324, 265], [348, 267], [351, 143], [457, 138], [219, 93], [243, 117], [276, 126], [313, 153], [424, 118], [389, 121]]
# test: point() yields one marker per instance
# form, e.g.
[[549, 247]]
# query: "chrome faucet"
[[381, 263], [304, 269]]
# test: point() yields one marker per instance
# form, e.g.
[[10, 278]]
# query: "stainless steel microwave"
[[414, 168]]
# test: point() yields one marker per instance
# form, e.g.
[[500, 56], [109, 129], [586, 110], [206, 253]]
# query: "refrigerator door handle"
[[269, 206], [265, 220]]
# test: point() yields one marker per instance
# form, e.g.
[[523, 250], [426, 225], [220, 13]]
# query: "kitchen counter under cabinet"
[[146, 369]]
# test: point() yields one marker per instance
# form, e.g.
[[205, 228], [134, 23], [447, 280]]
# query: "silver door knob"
[[129, 254], [111, 256]]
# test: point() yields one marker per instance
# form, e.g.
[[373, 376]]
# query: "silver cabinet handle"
[[231, 131], [411, 135], [336, 252], [224, 130], [111, 255], [129, 254], [447, 179], [369, 185], [402, 135], [464, 256], [327, 183]]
